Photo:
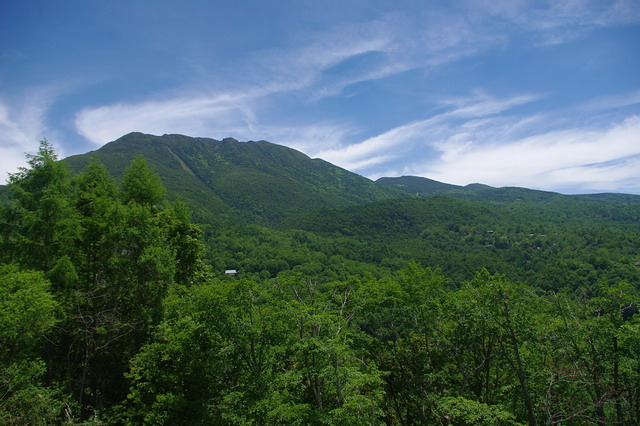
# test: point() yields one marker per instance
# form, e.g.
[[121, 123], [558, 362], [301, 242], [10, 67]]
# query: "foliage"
[[27, 314], [111, 257], [229, 181], [462, 411], [487, 306]]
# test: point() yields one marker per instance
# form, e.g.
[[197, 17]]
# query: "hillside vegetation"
[[426, 187], [251, 181], [354, 303]]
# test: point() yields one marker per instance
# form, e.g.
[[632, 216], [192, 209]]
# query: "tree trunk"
[[616, 380], [522, 378]]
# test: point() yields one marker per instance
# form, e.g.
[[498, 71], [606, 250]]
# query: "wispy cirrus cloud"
[[311, 139], [330, 61], [604, 103], [409, 137], [373, 151], [617, 176], [322, 65], [221, 116], [22, 125], [484, 139], [469, 138], [558, 160], [232, 111], [188, 115], [554, 22], [545, 151]]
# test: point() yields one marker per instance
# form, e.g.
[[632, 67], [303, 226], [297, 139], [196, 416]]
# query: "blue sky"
[[540, 94]]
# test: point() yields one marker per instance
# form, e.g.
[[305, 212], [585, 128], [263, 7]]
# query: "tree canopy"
[[114, 308]]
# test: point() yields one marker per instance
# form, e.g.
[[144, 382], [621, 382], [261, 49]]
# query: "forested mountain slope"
[[402, 311], [417, 185], [556, 245], [421, 186], [258, 181]]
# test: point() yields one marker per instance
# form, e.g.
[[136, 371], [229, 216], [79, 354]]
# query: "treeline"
[[405, 349], [540, 244], [112, 311], [88, 264]]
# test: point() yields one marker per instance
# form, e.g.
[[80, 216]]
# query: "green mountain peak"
[[230, 180]]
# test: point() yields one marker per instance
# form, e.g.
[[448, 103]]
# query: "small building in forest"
[[231, 272]]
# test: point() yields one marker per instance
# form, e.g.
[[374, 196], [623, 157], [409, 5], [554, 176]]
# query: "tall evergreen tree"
[[40, 224], [141, 185], [27, 313]]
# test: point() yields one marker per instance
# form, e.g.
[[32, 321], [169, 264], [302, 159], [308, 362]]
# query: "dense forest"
[[368, 306]]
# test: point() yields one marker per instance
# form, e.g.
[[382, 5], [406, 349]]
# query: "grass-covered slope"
[[255, 181]]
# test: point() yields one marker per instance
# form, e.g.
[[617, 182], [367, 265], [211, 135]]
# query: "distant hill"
[[427, 187], [418, 185], [227, 180]]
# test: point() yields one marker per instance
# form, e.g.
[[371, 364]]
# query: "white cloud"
[[400, 42], [301, 68], [615, 176], [216, 116], [477, 138], [481, 139], [397, 43], [22, 126], [406, 138], [551, 160], [434, 36], [376, 150], [311, 139], [390, 45], [231, 112], [613, 101], [481, 105], [555, 21], [192, 116]]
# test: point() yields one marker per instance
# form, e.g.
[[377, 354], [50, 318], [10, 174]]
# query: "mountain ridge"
[[421, 186], [257, 181], [226, 181]]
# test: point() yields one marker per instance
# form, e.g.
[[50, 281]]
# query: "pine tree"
[[40, 225]]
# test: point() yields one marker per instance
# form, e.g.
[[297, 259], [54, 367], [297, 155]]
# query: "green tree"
[[329, 373], [141, 185], [39, 225], [501, 331], [461, 411], [514, 306], [186, 242], [178, 377], [129, 266], [404, 315], [595, 362], [111, 260], [27, 314], [213, 359]]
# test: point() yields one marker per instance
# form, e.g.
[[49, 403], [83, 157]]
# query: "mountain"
[[424, 187], [228, 180], [427, 187], [418, 185]]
